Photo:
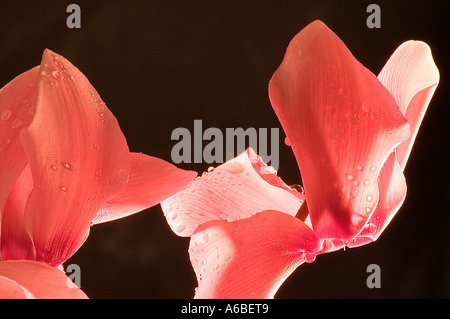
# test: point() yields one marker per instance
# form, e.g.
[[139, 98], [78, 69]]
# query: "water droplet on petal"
[[235, 168], [63, 188], [16, 123], [366, 182], [204, 237], [369, 198], [287, 141], [6, 115], [68, 166], [354, 118], [180, 227], [232, 218]]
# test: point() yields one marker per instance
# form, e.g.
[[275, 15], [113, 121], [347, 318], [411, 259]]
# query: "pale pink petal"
[[392, 186], [237, 189], [249, 258], [412, 77], [78, 157], [151, 181], [40, 280], [9, 289], [342, 124]]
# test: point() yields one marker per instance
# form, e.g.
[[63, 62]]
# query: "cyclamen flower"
[[351, 133], [65, 165]]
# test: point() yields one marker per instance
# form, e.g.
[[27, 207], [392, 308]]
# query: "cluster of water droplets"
[[211, 252], [58, 166]]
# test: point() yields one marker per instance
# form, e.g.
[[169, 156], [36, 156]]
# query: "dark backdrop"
[[159, 65]]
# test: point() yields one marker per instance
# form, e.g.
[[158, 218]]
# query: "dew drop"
[[68, 166], [350, 177], [366, 182], [16, 123], [356, 183], [6, 115], [287, 141], [232, 218], [235, 168], [309, 258], [373, 168], [227, 258], [54, 167], [371, 228], [180, 227], [204, 238], [354, 118], [63, 188], [298, 187], [369, 198]]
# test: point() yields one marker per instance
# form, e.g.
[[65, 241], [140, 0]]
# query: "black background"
[[159, 65]]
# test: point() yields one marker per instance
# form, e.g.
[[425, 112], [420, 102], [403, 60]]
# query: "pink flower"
[[351, 134], [65, 165]]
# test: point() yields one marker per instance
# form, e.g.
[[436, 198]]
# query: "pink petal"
[[249, 258], [237, 189], [17, 100], [9, 289], [412, 77], [151, 181], [78, 157], [15, 239], [392, 186], [39, 279], [17, 107], [342, 124]]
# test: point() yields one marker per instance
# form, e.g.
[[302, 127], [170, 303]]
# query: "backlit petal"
[[151, 181], [237, 189], [78, 158], [342, 124], [17, 100], [249, 258], [9, 289], [411, 76], [40, 280]]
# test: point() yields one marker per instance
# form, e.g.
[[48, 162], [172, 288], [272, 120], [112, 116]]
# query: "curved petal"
[[41, 280], [151, 181], [249, 258], [15, 239], [237, 189], [9, 289], [392, 186], [17, 100], [17, 107], [411, 76], [78, 157], [342, 124]]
